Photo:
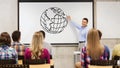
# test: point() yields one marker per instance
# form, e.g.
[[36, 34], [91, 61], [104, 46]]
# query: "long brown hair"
[[36, 45], [94, 48]]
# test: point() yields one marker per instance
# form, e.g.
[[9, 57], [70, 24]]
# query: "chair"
[[51, 63], [50, 56], [13, 66], [20, 57], [9, 61], [101, 63], [116, 58], [34, 61]]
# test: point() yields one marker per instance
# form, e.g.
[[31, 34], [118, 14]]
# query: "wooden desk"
[[19, 61], [51, 62], [93, 66], [40, 66]]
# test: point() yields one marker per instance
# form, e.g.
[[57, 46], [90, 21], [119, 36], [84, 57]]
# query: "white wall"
[[108, 19], [8, 15]]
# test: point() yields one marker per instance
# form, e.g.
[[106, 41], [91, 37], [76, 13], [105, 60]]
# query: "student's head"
[[84, 22], [16, 36], [43, 33], [100, 33], [6, 38], [37, 42], [94, 48]]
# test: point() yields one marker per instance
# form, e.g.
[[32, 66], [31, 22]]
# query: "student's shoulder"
[[28, 49], [45, 50]]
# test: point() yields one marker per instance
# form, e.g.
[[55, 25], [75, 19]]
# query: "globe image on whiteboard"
[[53, 20]]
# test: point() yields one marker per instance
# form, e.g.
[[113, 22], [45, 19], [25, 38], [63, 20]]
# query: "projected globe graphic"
[[53, 20]]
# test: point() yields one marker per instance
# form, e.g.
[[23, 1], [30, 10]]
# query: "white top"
[[47, 46]]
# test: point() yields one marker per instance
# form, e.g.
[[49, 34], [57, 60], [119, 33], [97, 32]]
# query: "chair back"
[[34, 61], [14, 66], [116, 58], [20, 57], [9, 61], [102, 62]]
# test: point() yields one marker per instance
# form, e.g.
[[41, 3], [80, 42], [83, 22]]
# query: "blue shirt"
[[83, 31]]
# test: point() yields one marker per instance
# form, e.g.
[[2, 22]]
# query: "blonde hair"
[[36, 45], [94, 48]]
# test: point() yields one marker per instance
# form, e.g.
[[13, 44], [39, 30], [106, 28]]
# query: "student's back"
[[20, 48], [106, 47], [36, 51], [6, 52], [116, 51], [93, 50]]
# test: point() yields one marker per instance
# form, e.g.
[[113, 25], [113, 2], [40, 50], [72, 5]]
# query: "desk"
[[19, 61], [40, 66], [51, 62], [92, 66]]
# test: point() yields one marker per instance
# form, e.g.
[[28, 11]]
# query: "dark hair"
[[100, 33], [85, 19], [16, 35], [43, 33], [5, 38]]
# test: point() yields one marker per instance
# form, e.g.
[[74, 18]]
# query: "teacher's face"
[[84, 23]]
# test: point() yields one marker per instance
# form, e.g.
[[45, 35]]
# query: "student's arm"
[[27, 54], [47, 55]]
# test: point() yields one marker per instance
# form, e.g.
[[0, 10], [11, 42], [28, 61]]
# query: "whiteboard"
[[29, 20], [108, 19]]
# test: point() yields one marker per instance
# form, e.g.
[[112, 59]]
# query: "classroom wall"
[[62, 55], [8, 15]]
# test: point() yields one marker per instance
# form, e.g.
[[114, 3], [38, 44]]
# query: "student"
[[20, 48], [116, 51], [93, 50], [106, 47], [83, 30], [36, 51], [46, 44], [6, 52]]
